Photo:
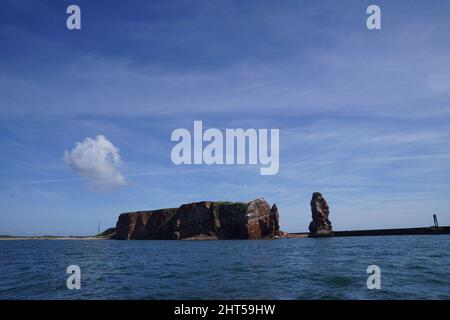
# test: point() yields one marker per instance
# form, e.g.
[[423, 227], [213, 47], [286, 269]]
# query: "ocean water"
[[412, 267]]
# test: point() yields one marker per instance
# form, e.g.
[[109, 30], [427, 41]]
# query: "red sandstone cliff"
[[214, 220], [320, 225]]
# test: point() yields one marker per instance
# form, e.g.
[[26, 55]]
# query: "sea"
[[410, 267]]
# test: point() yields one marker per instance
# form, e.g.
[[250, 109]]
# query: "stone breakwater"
[[202, 220]]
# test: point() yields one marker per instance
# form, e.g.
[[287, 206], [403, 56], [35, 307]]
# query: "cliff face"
[[320, 225], [143, 224], [213, 220]]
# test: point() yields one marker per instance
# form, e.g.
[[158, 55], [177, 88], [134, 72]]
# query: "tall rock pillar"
[[320, 226]]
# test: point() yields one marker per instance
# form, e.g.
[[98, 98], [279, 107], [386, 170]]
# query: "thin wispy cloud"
[[150, 173]]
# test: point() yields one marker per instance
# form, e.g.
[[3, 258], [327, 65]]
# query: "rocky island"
[[202, 220]]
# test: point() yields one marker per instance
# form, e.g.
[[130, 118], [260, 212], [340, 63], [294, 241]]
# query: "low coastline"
[[5, 238]]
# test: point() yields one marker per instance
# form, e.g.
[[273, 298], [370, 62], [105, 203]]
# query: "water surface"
[[412, 267]]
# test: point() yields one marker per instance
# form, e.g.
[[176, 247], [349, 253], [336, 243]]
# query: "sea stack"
[[274, 221], [320, 226]]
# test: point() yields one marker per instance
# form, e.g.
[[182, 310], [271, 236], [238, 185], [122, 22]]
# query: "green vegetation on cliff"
[[226, 208]]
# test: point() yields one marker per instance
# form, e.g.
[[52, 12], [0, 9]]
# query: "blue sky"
[[363, 115]]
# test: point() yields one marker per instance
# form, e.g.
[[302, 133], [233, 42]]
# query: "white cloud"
[[98, 161]]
